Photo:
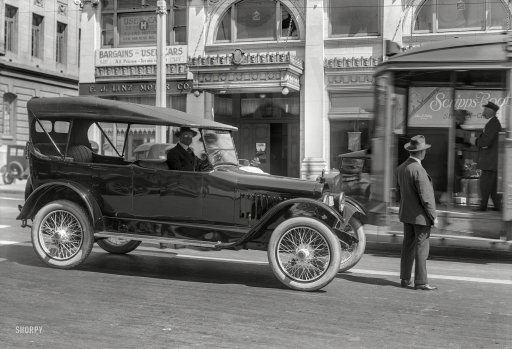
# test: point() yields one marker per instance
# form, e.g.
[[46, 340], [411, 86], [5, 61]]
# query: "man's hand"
[[436, 222], [472, 138]]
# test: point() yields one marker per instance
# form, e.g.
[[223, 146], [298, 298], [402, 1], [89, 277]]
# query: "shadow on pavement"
[[452, 255], [368, 280], [170, 267]]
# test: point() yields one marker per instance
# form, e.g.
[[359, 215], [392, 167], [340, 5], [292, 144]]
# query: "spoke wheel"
[[62, 234], [304, 253], [118, 246]]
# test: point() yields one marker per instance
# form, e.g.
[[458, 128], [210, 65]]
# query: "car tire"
[[7, 178], [118, 246], [352, 256], [62, 234], [304, 253]]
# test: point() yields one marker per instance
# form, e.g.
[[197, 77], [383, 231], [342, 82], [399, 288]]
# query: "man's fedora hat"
[[417, 143], [186, 129], [491, 105]]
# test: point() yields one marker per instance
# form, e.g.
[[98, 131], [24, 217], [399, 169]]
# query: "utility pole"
[[161, 71]]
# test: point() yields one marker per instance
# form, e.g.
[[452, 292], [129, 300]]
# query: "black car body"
[[119, 203]]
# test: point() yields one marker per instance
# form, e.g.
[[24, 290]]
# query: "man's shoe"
[[479, 209], [425, 287], [405, 283]]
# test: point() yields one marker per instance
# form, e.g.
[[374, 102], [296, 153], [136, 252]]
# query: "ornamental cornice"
[[352, 63], [263, 58], [352, 80], [227, 80], [139, 71]]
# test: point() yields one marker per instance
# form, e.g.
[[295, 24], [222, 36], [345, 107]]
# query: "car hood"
[[248, 181]]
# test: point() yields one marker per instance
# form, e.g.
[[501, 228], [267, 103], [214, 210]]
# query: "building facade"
[[295, 76], [39, 57]]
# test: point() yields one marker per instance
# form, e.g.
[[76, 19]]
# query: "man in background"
[[487, 144]]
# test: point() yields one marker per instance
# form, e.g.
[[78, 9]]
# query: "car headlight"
[[341, 202], [328, 199]]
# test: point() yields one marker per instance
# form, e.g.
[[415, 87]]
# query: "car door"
[[181, 195]]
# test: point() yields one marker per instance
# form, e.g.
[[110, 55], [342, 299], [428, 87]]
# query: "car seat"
[[80, 153]]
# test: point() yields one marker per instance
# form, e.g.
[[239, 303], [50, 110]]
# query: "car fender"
[[354, 208], [40, 194], [279, 210]]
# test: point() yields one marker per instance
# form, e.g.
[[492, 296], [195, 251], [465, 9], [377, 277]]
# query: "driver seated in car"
[[182, 157]]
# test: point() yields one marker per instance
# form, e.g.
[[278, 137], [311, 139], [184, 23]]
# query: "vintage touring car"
[[77, 197]]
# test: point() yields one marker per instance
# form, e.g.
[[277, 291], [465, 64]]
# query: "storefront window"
[[462, 15], [256, 20], [354, 17], [129, 23], [350, 115]]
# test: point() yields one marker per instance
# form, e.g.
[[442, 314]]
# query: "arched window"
[[256, 20], [461, 15], [8, 116]]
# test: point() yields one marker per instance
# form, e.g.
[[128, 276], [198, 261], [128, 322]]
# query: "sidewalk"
[[18, 187], [379, 238]]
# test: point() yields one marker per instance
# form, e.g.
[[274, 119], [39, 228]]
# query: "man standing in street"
[[418, 213], [487, 144]]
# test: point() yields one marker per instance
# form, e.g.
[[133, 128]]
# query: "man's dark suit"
[[178, 158], [487, 144], [417, 212]]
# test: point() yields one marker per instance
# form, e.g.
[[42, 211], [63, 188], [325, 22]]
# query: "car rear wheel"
[[62, 234], [304, 253], [352, 253], [118, 246]]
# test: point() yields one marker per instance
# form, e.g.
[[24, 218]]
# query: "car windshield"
[[219, 147]]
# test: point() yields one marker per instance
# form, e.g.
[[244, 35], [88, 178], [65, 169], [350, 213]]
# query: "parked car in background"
[[16, 166], [152, 150], [80, 197]]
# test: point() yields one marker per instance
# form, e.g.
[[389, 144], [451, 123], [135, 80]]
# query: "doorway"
[[268, 129]]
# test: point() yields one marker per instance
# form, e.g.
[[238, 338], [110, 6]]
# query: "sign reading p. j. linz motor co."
[[132, 88], [115, 57]]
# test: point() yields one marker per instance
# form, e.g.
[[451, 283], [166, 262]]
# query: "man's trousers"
[[415, 247]]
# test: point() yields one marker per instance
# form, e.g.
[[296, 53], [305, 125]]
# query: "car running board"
[[159, 240]]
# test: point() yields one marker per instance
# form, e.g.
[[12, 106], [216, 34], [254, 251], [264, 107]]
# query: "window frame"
[[279, 5], [343, 36], [11, 30], [115, 12], [61, 44], [38, 51], [435, 22], [9, 98]]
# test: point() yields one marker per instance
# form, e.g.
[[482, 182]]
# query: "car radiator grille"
[[254, 206]]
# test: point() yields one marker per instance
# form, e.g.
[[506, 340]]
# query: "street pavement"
[[185, 298]]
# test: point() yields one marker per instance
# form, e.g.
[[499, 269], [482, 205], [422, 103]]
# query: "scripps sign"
[[443, 101], [432, 106]]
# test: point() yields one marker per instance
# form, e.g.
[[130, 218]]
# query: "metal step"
[[159, 239]]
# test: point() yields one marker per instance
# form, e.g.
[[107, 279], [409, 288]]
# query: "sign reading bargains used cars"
[[112, 57]]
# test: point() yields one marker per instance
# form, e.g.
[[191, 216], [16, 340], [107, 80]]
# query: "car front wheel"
[[304, 253], [62, 234], [118, 246]]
